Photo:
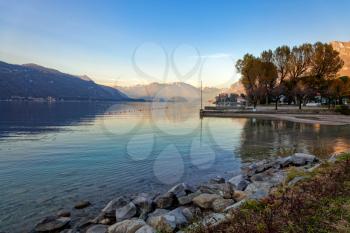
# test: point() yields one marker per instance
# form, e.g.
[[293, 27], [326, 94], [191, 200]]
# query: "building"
[[228, 100]]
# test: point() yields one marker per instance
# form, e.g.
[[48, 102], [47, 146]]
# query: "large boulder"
[[213, 219], [167, 200], [169, 221], [109, 210], [181, 190], [52, 223], [97, 229], [146, 229], [239, 182], [162, 223], [220, 204], [158, 212], [126, 212], [205, 200], [285, 161], [144, 203], [299, 159], [239, 195], [82, 204], [127, 226], [258, 190], [191, 212]]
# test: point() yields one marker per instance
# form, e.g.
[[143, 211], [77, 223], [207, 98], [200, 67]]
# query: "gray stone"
[[217, 180], [126, 212], [165, 201], [228, 190], [82, 204], [213, 219], [285, 162], [235, 206], [211, 189], [180, 218], [162, 223], [158, 212], [144, 204], [239, 182], [300, 159], [220, 204], [109, 210], [181, 190], [191, 212], [205, 200], [127, 226], [52, 223], [185, 200], [146, 229], [63, 213], [258, 190], [97, 229]]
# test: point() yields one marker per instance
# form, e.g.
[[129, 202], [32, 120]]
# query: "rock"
[[68, 231], [168, 221], [185, 200], [165, 201], [181, 190], [285, 162], [205, 200], [239, 182], [144, 204], [106, 221], [213, 219], [311, 169], [239, 195], [180, 218], [220, 204], [158, 212], [126, 212], [299, 159], [146, 229], [295, 180], [82, 204], [63, 213], [126, 226], [191, 212], [227, 191], [162, 223], [258, 190], [217, 180], [235, 206], [211, 189], [109, 210], [52, 223], [97, 229]]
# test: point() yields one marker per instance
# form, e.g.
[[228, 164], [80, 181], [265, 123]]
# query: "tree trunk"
[[276, 106], [300, 103]]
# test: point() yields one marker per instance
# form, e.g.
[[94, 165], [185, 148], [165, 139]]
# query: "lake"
[[55, 154]]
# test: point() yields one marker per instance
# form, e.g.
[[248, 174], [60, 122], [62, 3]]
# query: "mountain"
[[34, 81], [344, 52], [176, 90]]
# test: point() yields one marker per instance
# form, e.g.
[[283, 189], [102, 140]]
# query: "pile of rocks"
[[182, 205]]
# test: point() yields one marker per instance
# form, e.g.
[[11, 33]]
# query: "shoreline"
[[180, 205], [322, 119]]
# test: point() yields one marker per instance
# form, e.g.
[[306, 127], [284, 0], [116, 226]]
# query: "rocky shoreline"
[[208, 203]]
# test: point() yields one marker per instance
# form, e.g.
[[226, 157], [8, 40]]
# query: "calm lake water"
[[53, 155]]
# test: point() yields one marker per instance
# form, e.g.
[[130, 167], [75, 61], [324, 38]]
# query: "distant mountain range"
[[177, 90], [37, 82], [344, 51]]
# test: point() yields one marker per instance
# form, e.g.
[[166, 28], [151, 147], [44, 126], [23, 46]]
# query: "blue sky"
[[112, 41]]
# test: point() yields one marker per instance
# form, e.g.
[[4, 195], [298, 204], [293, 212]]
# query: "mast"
[[201, 94]]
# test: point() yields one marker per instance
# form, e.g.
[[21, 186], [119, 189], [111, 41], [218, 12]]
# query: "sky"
[[128, 42]]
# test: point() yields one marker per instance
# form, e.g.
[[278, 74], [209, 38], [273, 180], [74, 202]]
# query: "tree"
[[257, 76], [325, 65], [280, 57], [338, 89], [298, 66]]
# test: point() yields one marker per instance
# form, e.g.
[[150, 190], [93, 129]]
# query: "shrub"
[[343, 109]]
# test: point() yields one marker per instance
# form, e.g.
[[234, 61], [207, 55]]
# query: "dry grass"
[[319, 204]]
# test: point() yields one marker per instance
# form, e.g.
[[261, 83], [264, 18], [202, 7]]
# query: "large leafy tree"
[[257, 75]]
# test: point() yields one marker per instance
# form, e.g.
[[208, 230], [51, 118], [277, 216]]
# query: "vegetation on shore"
[[318, 203], [298, 74]]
